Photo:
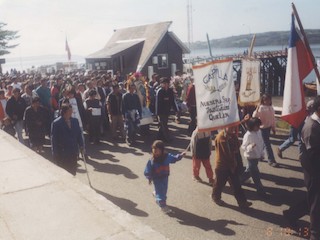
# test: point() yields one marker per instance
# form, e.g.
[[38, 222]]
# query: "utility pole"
[[190, 23]]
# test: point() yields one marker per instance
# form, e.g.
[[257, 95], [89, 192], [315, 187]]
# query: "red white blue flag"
[[299, 66]]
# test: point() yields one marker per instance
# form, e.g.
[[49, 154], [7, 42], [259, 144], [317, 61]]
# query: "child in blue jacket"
[[157, 171]]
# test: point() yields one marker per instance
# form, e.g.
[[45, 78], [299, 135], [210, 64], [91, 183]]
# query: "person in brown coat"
[[227, 145]]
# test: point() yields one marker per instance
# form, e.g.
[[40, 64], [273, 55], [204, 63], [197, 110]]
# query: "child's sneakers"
[[166, 210]]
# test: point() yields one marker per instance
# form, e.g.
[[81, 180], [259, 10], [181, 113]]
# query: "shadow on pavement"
[[283, 181], [290, 167], [112, 168], [111, 147], [125, 204], [190, 219]]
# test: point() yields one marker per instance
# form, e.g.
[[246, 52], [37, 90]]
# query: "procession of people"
[[78, 109]]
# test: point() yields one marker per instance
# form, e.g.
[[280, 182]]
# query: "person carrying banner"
[[300, 209], [192, 106], [227, 145], [310, 161], [164, 102], [200, 147], [265, 113]]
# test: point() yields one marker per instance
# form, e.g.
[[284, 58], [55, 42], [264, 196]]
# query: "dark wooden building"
[[147, 49]]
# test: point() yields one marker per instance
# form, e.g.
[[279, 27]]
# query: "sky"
[[43, 25]]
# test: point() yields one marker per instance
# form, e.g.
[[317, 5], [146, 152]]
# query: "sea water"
[[25, 63], [204, 53]]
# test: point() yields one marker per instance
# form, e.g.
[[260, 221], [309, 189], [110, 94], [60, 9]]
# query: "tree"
[[5, 37]]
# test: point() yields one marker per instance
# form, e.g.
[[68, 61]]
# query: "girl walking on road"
[[265, 113], [253, 148], [157, 171]]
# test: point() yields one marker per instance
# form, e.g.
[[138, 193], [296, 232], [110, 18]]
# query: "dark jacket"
[[15, 108], [65, 141], [165, 101], [36, 121], [310, 157], [131, 102], [115, 105]]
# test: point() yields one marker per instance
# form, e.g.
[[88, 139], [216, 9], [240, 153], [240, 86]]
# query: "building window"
[[162, 61]]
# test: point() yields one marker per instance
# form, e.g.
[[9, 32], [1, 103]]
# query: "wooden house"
[[147, 49]]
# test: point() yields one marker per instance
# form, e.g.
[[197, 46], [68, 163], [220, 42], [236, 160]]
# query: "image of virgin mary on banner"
[[249, 93], [215, 95]]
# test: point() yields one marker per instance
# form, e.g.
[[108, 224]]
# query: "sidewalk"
[[40, 201]]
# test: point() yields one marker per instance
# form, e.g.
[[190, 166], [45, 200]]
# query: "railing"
[[257, 55]]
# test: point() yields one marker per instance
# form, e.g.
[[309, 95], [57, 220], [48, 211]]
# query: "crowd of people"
[[99, 101], [65, 106]]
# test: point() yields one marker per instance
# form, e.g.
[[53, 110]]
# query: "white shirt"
[[253, 145], [16, 85]]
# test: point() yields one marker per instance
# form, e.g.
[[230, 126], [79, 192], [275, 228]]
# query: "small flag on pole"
[[299, 65], [68, 50]]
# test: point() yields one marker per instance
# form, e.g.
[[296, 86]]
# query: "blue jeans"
[[132, 126], [293, 136], [161, 188], [265, 132], [253, 171], [131, 131]]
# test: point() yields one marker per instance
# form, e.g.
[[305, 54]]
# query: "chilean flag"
[[68, 50], [299, 65]]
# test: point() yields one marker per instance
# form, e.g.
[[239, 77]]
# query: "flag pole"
[[209, 45], [252, 45], [295, 12]]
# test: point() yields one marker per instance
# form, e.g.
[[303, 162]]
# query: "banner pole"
[[295, 13]]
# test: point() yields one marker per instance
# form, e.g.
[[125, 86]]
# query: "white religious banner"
[[215, 95], [249, 93]]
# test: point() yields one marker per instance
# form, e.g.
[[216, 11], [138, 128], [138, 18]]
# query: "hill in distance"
[[262, 39]]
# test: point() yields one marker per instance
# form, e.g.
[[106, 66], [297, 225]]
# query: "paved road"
[[116, 172]]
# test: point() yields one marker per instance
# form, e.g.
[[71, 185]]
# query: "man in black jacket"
[[114, 105], [164, 102], [132, 112], [15, 108], [310, 161], [35, 118]]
